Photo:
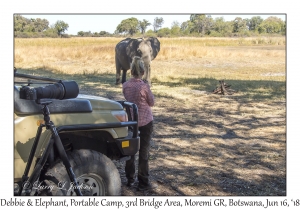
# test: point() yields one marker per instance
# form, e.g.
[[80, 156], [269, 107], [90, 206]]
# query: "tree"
[[104, 33], [22, 24], [60, 27], [272, 25], [175, 28], [128, 26], [163, 32], [175, 24], [143, 25], [150, 33], [283, 29], [80, 33], [187, 27], [254, 23], [40, 25], [51, 32], [202, 24], [221, 27], [239, 25], [24, 27], [29, 27], [19, 23], [157, 24]]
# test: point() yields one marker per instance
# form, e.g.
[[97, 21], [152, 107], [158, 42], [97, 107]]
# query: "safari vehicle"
[[65, 142]]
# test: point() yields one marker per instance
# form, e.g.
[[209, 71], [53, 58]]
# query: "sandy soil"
[[216, 145]]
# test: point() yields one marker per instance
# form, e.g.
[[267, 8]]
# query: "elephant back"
[[132, 46], [121, 46]]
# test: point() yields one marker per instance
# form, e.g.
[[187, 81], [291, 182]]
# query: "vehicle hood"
[[101, 103]]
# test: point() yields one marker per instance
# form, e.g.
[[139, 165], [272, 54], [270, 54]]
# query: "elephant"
[[126, 49]]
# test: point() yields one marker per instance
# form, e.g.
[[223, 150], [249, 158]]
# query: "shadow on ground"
[[220, 146]]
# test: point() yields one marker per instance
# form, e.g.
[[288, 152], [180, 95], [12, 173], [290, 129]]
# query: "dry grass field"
[[204, 144]]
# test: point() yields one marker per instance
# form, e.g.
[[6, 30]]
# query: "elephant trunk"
[[147, 61]]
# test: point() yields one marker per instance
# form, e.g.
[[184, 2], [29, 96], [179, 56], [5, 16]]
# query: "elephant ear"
[[132, 46], [155, 44]]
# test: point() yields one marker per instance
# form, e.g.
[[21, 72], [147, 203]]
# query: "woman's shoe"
[[150, 186], [130, 183]]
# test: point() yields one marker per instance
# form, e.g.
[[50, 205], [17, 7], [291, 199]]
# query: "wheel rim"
[[90, 185]]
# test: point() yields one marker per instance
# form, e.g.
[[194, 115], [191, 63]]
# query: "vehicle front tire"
[[96, 175]]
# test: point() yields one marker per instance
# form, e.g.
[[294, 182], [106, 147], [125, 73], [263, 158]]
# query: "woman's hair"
[[137, 66]]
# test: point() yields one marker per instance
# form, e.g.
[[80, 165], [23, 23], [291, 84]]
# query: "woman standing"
[[137, 91]]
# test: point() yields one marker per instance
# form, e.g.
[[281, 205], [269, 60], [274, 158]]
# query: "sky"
[[109, 22]]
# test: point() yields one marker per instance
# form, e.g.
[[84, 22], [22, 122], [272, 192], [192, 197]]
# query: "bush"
[[65, 36], [215, 34], [21, 35], [164, 32], [150, 33]]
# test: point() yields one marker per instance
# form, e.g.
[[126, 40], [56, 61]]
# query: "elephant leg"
[[118, 78], [118, 72], [124, 76], [145, 76], [149, 75]]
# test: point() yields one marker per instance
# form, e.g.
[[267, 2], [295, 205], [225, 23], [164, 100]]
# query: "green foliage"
[[61, 27], [222, 28], [104, 33], [254, 22], [40, 25], [51, 32], [34, 28], [197, 25], [201, 23], [239, 25], [128, 26], [95, 34], [143, 25], [175, 30], [80, 33], [164, 32], [22, 24], [272, 25], [187, 27], [101, 34], [214, 33], [150, 33], [157, 24]]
